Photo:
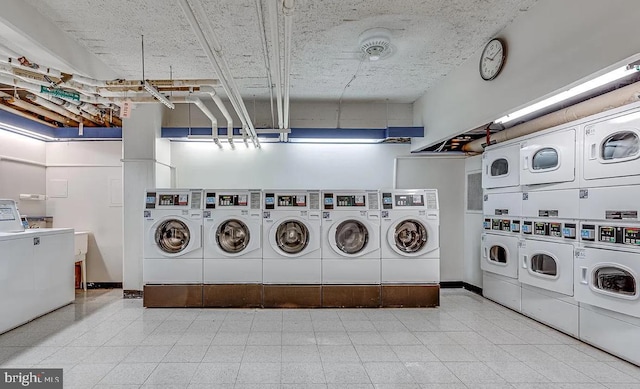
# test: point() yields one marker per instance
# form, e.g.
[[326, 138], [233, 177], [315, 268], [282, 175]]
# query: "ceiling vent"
[[375, 43]]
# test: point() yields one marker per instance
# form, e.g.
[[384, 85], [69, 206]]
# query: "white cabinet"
[[36, 274]]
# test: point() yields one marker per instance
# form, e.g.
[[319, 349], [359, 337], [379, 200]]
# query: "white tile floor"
[[102, 341]]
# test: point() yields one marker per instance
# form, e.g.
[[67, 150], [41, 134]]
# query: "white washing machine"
[[232, 236], [499, 248], [611, 148], [546, 272], [351, 237], [10, 220], [607, 274], [548, 160], [501, 166], [172, 252], [410, 246], [291, 234]]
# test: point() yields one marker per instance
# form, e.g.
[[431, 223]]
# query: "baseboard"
[[460, 285], [104, 285]]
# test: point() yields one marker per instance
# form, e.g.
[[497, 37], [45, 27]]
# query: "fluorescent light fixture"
[[334, 140], [155, 93], [576, 90], [22, 131]]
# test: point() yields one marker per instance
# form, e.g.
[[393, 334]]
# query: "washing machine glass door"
[[547, 265], [351, 236], [292, 236], [410, 236], [172, 236], [233, 236]]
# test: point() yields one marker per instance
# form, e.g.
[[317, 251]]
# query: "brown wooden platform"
[[172, 296], [292, 296], [411, 296], [351, 296], [232, 296]]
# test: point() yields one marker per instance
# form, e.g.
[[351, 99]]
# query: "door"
[[499, 254], [608, 279], [291, 237], [234, 237], [547, 265], [500, 167], [411, 237], [174, 237], [549, 158], [612, 148], [353, 237]]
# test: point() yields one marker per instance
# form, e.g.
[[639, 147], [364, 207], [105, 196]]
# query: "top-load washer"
[[351, 237], [10, 216], [611, 148], [548, 160], [410, 244], [291, 235], [172, 252], [232, 236], [501, 166]]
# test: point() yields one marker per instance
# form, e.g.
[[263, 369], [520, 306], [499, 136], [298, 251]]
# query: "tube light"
[[576, 90], [155, 93], [22, 131], [334, 140]]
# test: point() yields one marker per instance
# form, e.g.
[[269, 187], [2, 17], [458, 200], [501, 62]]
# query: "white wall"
[[445, 173], [22, 170], [93, 175], [472, 230], [554, 44], [292, 166]]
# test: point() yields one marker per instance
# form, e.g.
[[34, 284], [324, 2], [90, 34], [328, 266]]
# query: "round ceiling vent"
[[375, 43]]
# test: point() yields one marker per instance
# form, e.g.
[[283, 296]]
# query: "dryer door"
[[172, 237], [608, 279], [500, 254], [547, 265], [548, 158], [500, 167], [233, 236], [612, 148], [290, 237], [411, 237]]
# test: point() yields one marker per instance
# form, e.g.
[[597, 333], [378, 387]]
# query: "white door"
[[354, 237], [500, 167], [547, 265], [234, 237], [608, 279], [500, 254], [612, 148], [175, 237], [411, 237], [548, 158]]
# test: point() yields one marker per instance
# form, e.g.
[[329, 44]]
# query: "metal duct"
[[617, 98]]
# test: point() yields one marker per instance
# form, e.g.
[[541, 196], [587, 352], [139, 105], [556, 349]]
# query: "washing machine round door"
[[292, 236], [351, 236], [232, 236], [172, 236], [410, 236]]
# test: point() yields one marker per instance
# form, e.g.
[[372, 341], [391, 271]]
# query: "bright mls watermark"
[[31, 378]]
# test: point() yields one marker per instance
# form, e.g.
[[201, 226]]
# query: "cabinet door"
[[17, 285], [54, 271]]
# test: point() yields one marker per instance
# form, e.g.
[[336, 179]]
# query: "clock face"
[[492, 59]]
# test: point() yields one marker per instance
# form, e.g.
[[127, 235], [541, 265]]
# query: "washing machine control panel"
[[553, 229], [619, 235], [588, 232], [527, 228], [273, 200], [170, 200], [569, 230], [515, 226], [486, 224]]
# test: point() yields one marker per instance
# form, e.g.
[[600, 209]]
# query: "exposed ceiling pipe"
[[265, 53], [38, 110], [218, 62], [220, 105], [275, 56], [56, 108], [73, 108], [214, 122], [604, 102], [287, 7], [17, 64]]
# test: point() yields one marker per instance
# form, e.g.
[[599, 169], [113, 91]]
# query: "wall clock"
[[492, 59]]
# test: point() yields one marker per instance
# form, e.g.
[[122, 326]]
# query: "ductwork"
[[216, 99], [56, 108], [604, 102], [207, 112]]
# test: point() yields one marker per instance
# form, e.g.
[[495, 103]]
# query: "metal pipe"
[[287, 7], [265, 52], [56, 108], [604, 102], [275, 54], [207, 112], [216, 99]]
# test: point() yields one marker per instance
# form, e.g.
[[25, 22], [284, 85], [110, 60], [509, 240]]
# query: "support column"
[[141, 140]]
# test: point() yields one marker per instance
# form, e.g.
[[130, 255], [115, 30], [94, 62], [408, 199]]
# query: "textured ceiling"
[[430, 38]]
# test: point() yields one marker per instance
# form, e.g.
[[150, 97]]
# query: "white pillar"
[[140, 143]]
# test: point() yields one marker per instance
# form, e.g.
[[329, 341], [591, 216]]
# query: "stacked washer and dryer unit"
[[173, 248], [579, 245], [607, 272]]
